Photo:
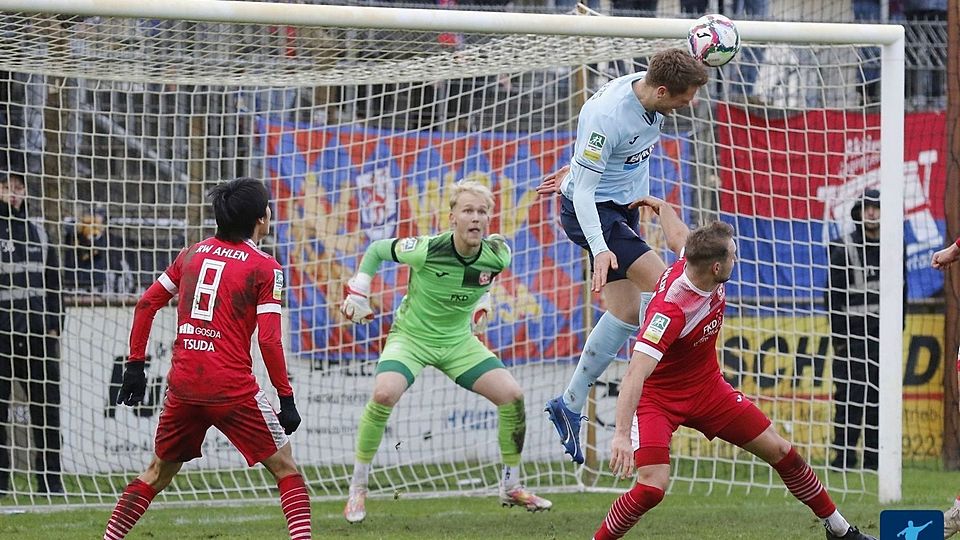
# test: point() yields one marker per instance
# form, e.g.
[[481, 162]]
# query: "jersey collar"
[[465, 262]]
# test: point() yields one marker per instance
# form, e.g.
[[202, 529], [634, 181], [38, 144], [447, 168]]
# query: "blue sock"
[[602, 345], [645, 298]]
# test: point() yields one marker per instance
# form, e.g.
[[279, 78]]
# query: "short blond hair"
[[470, 186]]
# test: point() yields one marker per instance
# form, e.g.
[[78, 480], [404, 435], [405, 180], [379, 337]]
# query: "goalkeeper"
[[447, 302]]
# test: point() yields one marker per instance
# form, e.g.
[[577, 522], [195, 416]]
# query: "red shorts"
[[715, 407], [251, 425]]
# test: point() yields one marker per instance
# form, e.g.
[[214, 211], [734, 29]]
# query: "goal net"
[[360, 120]]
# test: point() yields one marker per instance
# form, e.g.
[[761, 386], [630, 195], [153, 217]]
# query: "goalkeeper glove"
[[356, 304], [482, 314], [289, 417], [134, 384]]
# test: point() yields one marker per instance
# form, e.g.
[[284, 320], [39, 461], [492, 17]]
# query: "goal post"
[[360, 119]]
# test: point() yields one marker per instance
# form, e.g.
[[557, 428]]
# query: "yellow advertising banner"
[[784, 365]]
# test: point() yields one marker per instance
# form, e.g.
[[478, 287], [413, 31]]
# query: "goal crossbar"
[[431, 20]]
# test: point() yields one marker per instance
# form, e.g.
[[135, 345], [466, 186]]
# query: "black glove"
[[134, 384], [289, 417]]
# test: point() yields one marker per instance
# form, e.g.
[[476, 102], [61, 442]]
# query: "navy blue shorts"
[[621, 231]]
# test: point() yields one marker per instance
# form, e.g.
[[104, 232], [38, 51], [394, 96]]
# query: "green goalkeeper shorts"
[[464, 362]]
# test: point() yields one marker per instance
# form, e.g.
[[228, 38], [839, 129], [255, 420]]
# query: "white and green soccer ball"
[[713, 40]]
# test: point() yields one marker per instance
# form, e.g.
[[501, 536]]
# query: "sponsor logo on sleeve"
[[656, 328], [408, 244], [484, 278], [594, 146], [277, 284]]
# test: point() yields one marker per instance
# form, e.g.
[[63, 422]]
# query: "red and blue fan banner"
[[339, 188], [788, 185]]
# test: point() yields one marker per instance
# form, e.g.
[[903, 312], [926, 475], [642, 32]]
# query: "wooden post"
[[951, 400]]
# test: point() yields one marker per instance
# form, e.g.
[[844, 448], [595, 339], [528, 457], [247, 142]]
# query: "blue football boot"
[[567, 423]]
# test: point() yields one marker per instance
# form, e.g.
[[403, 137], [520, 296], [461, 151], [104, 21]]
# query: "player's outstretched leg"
[[511, 434], [792, 468], [627, 510], [805, 486], [373, 422], [138, 495], [499, 386], [134, 501], [951, 519], [601, 347]]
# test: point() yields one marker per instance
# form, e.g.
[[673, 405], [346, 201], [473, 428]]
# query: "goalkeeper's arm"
[[356, 297]]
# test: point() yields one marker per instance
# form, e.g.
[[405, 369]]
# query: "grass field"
[[575, 516]]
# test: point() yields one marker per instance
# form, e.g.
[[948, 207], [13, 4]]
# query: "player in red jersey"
[[226, 287], [674, 379], [941, 260]]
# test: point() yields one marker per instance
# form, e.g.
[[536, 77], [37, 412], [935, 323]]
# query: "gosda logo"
[[186, 328]]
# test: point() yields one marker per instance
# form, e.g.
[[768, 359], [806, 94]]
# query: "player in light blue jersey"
[[617, 130]]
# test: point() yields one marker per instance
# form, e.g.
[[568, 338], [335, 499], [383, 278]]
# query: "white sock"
[[361, 472], [509, 477], [837, 524]]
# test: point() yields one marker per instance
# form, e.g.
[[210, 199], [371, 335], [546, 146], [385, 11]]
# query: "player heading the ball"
[[617, 131]]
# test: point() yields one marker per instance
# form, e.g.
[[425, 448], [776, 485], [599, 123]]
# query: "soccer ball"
[[713, 40]]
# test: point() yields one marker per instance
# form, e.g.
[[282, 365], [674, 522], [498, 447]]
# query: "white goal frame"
[[890, 38]]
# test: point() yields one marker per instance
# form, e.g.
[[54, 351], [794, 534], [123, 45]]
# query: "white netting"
[[359, 133]]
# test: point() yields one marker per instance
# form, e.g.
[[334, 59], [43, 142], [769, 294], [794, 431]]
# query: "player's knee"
[[647, 495], [776, 449], [513, 394], [385, 396], [158, 475]]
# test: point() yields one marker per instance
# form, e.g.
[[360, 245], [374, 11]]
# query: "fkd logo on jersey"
[[911, 525]]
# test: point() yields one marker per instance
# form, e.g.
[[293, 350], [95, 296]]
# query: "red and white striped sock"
[[295, 502], [627, 510], [804, 484], [133, 502]]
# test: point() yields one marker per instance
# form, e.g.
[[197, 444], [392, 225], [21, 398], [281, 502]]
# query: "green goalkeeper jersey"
[[444, 287]]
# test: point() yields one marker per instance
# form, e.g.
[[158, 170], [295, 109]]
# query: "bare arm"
[[631, 388], [946, 256], [674, 229]]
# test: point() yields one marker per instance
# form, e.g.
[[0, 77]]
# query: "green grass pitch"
[[682, 515]]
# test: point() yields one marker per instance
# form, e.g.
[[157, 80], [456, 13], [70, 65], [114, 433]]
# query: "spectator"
[[868, 11], [748, 65], [31, 316], [853, 302], [925, 82], [94, 261]]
